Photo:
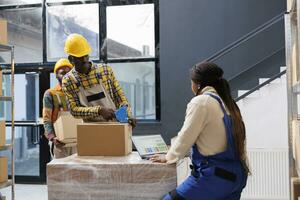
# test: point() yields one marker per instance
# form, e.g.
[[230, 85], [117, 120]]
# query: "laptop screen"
[[149, 144]]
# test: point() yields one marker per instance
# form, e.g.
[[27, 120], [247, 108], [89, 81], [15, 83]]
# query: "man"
[[55, 101], [92, 89]]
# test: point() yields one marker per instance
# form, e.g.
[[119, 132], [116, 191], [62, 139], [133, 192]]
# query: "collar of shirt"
[[208, 89], [76, 73]]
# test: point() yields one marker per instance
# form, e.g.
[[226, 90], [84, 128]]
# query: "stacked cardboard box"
[[106, 178], [3, 169], [104, 139], [3, 31]]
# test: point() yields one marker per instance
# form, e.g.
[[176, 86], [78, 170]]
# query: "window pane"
[[53, 80], [9, 2], [25, 33], [26, 97], [64, 20], [130, 31], [138, 82], [26, 150]]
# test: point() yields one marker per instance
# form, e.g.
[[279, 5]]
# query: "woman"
[[214, 131]]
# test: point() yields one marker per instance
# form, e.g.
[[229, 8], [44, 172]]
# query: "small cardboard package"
[[3, 169], [2, 133], [66, 127], [3, 31], [104, 139]]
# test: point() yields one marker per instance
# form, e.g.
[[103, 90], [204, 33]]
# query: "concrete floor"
[[26, 192]]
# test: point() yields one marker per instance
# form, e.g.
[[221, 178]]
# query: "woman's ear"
[[194, 87]]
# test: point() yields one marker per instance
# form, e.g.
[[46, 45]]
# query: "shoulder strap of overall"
[[218, 99]]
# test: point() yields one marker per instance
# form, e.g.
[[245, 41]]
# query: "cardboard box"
[[2, 133], [3, 169], [3, 31], [104, 139], [66, 127]]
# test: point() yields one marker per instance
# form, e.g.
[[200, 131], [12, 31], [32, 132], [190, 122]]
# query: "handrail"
[[255, 64], [260, 85], [245, 38]]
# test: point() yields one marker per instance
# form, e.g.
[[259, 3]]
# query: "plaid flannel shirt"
[[71, 89]]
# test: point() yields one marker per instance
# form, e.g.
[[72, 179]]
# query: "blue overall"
[[217, 177]]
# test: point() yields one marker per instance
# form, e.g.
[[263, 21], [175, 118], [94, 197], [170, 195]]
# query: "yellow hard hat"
[[76, 45], [62, 63]]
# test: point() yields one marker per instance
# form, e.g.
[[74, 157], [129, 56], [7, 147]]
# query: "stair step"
[[277, 80], [253, 94], [282, 68], [262, 80], [241, 92]]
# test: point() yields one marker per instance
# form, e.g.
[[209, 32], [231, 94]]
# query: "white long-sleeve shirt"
[[203, 126]]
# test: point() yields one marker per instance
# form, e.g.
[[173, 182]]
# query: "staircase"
[[265, 115]]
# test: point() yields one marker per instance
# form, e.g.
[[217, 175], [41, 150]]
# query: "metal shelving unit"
[[11, 69]]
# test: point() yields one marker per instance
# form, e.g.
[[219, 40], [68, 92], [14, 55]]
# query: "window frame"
[[46, 66]]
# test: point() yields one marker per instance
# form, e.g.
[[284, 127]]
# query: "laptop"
[[148, 145]]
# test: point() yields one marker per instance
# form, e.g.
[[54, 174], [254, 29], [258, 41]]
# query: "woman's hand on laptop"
[[161, 158]]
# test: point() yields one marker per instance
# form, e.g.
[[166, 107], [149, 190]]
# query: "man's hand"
[[132, 122], [57, 143], [107, 113]]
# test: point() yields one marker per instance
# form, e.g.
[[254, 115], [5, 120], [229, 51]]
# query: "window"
[[130, 31], [138, 82], [53, 80], [67, 19], [131, 40], [24, 30], [26, 97]]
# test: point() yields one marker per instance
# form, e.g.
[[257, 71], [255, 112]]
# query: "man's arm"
[[47, 115]]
